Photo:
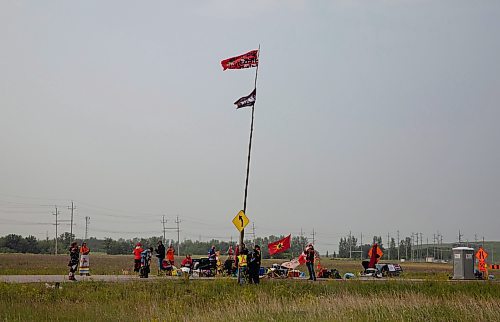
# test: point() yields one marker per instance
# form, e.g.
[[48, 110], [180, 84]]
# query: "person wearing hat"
[[137, 257], [73, 260], [310, 254], [254, 265]]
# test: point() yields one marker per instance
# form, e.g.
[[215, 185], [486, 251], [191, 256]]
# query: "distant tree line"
[[349, 248]]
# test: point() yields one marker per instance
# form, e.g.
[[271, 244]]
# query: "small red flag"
[[250, 59], [302, 259], [374, 253], [279, 246]]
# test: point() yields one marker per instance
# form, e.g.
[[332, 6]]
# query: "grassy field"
[[22, 264], [222, 299]]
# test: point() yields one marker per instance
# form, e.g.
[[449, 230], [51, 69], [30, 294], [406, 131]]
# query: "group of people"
[[165, 256], [78, 257], [246, 262]]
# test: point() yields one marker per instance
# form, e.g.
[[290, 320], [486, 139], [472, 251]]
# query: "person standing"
[[170, 260], [73, 260], [254, 265], [212, 258], [242, 265], [145, 263], [84, 260], [310, 254], [171, 254], [137, 257], [160, 253]]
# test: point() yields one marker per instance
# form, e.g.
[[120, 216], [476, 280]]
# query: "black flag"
[[246, 100]]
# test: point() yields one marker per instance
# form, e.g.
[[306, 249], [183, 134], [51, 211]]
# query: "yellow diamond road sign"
[[241, 220]]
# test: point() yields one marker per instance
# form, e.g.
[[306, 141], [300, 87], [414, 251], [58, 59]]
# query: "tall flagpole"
[[242, 233]]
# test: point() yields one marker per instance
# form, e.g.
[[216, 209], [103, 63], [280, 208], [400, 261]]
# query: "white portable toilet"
[[463, 263]]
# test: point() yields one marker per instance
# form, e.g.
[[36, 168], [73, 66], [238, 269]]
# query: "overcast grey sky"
[[371, 116]]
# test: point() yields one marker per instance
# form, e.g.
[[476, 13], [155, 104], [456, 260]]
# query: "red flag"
[[279, 246], [374, 253], [250, 59], [302, 259]]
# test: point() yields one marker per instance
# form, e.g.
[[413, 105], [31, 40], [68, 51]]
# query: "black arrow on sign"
[[241, 219]]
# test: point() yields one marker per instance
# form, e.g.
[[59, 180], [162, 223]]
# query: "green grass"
[[222, 299]]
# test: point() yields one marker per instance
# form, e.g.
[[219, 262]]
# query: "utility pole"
[[350, 245], [441, 248], [412, 246], [388, 247], [253, 233], [399, 246], [163, 221], [459, 237], [421, 245], [313, 237], [56, 224], [177, 221], [302, 238], [438, 248], [72, 208], [361, 246], [427, 248], [417, 248], [434, 245], [406, 249], [87, 221]]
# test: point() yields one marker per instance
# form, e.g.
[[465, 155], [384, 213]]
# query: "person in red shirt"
[[187, 262], [171, 254], [137, 256], [186, 266]]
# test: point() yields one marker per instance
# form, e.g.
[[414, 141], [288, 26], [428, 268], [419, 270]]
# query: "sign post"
[[240, 221]]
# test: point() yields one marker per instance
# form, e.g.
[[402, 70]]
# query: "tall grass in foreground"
[[271, 301]]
